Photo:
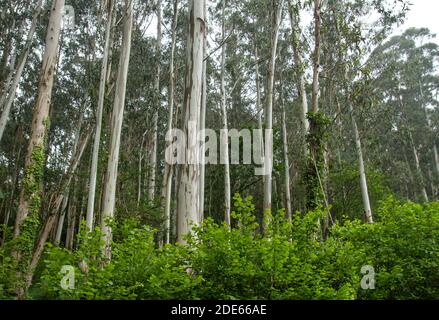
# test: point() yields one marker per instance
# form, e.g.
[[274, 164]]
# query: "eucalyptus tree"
[[189, 175], [30, 200], [109, 197], [268, 160], [224, 136], [99, 111], [157, 103], [169, 168]]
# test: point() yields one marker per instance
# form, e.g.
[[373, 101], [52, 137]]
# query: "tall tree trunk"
[[71, 221], [411, 180], [188, 190], [299, 68], [139, 171], [29, 197], [418, 166], [20, 67], [169, 168], [61, 221], [153, 155], [436, 157], [363, 180], [259, 107], [315, 185], [30, 201], [286, 160], [269, 110], [224, 135], [316, 57], [99, 110], [109, 198], [203, 124]]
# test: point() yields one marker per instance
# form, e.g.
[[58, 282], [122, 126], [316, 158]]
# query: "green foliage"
[[402, 248], [5, 273], [289, 262], [15, 256], [137, 268], [346, 192]]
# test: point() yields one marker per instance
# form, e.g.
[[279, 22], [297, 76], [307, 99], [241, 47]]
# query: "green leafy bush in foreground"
[[289, 262]]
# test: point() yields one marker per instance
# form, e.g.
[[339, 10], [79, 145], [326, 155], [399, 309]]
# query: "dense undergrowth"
[[290, 262]]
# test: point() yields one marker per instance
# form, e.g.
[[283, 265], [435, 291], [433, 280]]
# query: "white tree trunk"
[[225, 136], [116, 125], [316, 58], [29, 203], [153, 156], [295, 32], [203, 124], [269, 108], [363, 180], [99, 109], [259, 107], [418, 167], [61, 221], [188, 190], [19, 71], [286, 163], [35, 150], [167, 180]]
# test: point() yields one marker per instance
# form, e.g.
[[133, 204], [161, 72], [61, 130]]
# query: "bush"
[[289, 262], [402, 248]]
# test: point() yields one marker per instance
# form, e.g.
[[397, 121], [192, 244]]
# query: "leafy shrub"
[[402, 248], [289, 262]]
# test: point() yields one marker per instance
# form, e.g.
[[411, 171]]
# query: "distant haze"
[[423, 13]]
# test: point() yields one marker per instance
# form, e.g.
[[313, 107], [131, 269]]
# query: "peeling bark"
[[189, 175]]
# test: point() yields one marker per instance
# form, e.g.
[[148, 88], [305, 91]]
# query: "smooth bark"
[[269, 109], [286, 161], [29, 199], [153, 155], [299, 67], [169, 168], [109, 197], [363, 179], [99, 111], [224, 135]]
